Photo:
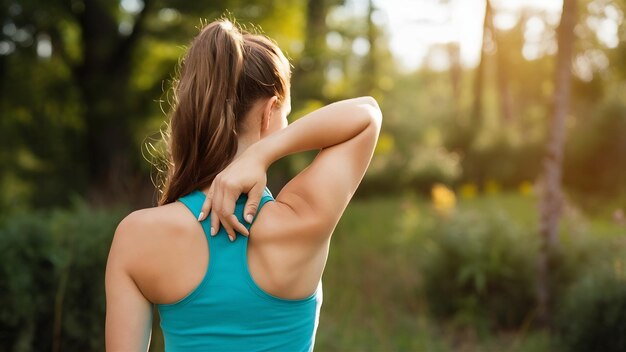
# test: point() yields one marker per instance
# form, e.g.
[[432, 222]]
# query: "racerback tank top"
[[227, 311]]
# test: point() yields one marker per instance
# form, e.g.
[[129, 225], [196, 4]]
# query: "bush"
[[480, 269], [593, 315], [597, 143], [26, 281], [52, 279]]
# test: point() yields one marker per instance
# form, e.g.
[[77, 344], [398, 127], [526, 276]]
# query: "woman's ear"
[[268, 109]]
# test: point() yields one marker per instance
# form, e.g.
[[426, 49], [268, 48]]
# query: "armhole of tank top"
[[253, 285], [207, 273]]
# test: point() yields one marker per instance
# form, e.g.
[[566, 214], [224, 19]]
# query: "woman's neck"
[[244, 141]]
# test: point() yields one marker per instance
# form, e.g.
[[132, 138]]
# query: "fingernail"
[[212, 231], [232, 238], [200, 216], [249, 218]]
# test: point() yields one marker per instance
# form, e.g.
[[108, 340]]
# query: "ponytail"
[[215, 89]]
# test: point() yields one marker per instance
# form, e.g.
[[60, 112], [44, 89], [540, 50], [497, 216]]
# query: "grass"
[[372, 297]]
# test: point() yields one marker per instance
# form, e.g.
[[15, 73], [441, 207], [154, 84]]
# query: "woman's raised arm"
[[346, 133]]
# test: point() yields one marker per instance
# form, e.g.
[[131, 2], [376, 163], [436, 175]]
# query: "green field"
[[374, 299]]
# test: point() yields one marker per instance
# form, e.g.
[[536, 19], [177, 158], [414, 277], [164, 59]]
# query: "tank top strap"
[[224, 255], [194, 201], [267, 196]]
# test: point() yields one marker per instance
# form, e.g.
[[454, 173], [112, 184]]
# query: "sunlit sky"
[[413, 26]]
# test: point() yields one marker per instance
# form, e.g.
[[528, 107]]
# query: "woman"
[[236, 282]]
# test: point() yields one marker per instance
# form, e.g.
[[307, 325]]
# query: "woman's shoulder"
[[153, 246], [147, 231], [157, 220]]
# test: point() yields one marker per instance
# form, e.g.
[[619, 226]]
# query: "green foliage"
[[52, 278], [593, 314], [479, 267], [392, 262], [27, 283], [74, 119], [597, 143], [501, 155], [80, 116], [379, 262]]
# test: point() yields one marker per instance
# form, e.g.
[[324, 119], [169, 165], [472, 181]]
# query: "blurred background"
[[492, 215]]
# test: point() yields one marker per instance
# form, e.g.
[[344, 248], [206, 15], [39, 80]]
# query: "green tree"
[[75, 114]]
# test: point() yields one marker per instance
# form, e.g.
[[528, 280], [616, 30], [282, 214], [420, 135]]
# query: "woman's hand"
[[246, 174]]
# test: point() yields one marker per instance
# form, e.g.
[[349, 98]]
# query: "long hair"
[[224, 72]]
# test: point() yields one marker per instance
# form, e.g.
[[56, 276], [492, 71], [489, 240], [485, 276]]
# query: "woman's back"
[[228, 310], [208, 295]]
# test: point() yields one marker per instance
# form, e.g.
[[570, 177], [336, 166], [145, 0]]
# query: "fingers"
[[215, 223], [215, 216], [230, 224], [229, 230], [252, 205], [228, 199], [220, 202], [223, 204], [237, 226], [206, 206], [228, 219]]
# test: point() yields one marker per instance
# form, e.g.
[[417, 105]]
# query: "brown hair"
[[224, 72]]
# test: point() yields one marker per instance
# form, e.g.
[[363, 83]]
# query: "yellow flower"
[[443, 199], [468, 190], [525, 188]]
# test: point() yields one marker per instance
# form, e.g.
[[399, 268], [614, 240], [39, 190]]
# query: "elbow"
[[371, 101], [372, 110]]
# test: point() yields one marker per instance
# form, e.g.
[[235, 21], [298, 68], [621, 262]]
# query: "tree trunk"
[[103, 81], [477, 109], [456, 73], [370, 68], [504, 94], [310, 68], [552, 198]]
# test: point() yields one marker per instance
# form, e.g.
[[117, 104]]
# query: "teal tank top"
[[228, 311]]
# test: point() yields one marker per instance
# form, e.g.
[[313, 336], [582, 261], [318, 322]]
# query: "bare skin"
[[160, 254]]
